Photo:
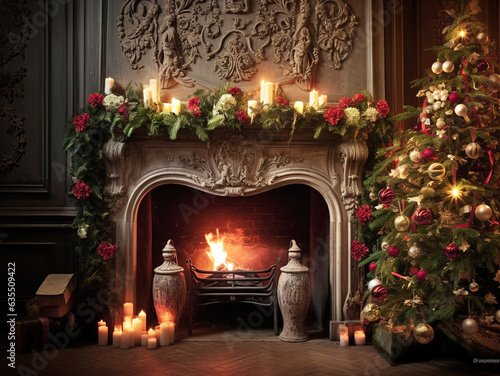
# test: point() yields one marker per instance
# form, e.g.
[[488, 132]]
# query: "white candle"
[[313, 99], [117, 336], [153, 85], [171, 333], [144, 338], [108, 85], [142, 316], [251, 105], [359, 337], [299, 107], [151, 333], [131, 338], [157, 333], [323, 100], [164, 334], [102, 335], [167, 108], [152, 343], [101, 323], [125, 339], [344, 339], [128, 309], [176, 106], [268, 93], [137, 327], [262, 86], [148, 97]]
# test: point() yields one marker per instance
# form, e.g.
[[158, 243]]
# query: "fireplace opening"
[[256, 230]]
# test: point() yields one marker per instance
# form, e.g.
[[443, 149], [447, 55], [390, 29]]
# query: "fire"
[[217, 253]]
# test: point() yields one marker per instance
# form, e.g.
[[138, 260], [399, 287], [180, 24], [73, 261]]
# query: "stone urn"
[[169, 287], [294, 296]]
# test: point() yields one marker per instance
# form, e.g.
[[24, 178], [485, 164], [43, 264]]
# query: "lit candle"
[[167, 108], [101, 323], [125, 339], [251, 106], [151, 333], [323, 101], [142, 316], [171, 333], [176, 108], [108, 85], [152, 343], [299, 107], [128, 309], [262, 86], [148, 97], [164, 334], [137, 327], [144, 338], [343, 335], [157, 333], [359, 337], [102, 335], [268, 93], [153, 85], [313, 99], [131, 337], [117, 336]]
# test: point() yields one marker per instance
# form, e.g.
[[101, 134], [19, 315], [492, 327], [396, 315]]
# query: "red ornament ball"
[[372, 266], [379, 293], [393, 251], [454, 98], [428, 154], [451, 251], [421, 275], [386, 195], [422, 216]]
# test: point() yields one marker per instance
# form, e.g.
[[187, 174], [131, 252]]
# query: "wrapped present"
[[33, 332]]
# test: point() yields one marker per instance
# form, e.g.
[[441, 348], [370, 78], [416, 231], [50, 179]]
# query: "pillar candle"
[[144, 338], [151, 333], [125, 339], [137, 328], [102, 335], [268, 93], [153, 85], [176, 106], [101, 323], [167, 108], [148, 97], [262, 85], [131, 338], [152, 343], [171, 333], [343, 335], [108, 85], [322, 101], [299, 107], [359, 337], [157, 333], [128, 309], [313, 99], [117, 336], [251, 104], [142, 316], [164, 334]]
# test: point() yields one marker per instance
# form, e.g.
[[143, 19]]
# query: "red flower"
[[364, 214], [81, 190], [358, 97], [334, 114], [242, 116], [197, 112], [124, 112], [282, 101], [193, 103], [344, 102], [234, 91], [358, 250], [81, 121], [106, 251], [95, 99], [382, 108]]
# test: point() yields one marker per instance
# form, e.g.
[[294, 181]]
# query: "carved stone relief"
[[298, 32]]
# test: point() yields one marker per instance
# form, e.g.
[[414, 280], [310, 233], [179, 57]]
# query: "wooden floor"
[[228, 355]]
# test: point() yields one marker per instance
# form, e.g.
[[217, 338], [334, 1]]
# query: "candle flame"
[[217, 253]]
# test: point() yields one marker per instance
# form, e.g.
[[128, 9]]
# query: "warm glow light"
[[455, 192], [217, 253], [462, 33]]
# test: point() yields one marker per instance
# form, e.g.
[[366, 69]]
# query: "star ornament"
[[489, 298]]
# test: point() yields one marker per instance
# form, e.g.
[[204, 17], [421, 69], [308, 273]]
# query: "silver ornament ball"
[[437, 67], [461, 109], [470, 326], [415, 155], [414, 251]]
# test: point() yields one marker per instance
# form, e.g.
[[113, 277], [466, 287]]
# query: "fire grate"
[[238, 286]]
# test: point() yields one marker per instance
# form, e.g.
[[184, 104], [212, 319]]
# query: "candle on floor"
[[137, 327], [102, 335], [171, 332], [343, 335], [176, 106], [323, 101], [128, 309], [251, 106], [299, 107], [131, 338], [142, 316], [117, 336], [314, 99], [152, 343], [101, 323], [359, 337], [164, 334], [125, 339], [108, 85], [157, 333], [151, 333], [144, 338]]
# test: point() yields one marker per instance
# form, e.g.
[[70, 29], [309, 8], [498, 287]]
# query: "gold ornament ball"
[[497, 316], [448, 66], [470, 326], [414, 251], [437, 67], [473, 150], [494, 86], [402, 223], [482, 37], [474, 286], [436, 171], [461, 109], [423, 333], [370, 312], [483, 212]]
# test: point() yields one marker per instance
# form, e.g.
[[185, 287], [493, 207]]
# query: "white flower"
[[82, 231], [226, 102], [371, 114], [113, 101], [352, 116]]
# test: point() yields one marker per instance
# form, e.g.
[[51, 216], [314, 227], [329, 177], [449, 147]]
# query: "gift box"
[[33, 332]]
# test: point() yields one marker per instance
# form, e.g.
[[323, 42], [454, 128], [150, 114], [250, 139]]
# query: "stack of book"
[[56, 295]]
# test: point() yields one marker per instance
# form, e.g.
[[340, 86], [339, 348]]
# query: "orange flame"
[[217, 253]]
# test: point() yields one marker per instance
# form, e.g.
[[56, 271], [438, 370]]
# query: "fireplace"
[[250, 170]]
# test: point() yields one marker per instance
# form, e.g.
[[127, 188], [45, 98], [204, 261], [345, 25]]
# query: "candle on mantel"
[[142, 316], [148, 97], [322, 101], [268, 93], [176, 106], [152, 343], [144, 338], [164, 334], [343, 335], [117, 336], [299, 107], [359, 337], [314, 99], [108, 85], [251, 105], [102, 334], [167, 108], [153, 85], [137, 328], [125, 339], [262, 86], [128, 309]]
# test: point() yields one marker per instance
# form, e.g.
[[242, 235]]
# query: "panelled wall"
[[54, 54]]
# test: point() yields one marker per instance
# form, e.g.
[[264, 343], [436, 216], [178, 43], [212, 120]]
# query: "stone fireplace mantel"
[[237, 163]]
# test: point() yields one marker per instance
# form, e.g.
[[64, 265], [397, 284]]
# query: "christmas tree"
[[435, 194]]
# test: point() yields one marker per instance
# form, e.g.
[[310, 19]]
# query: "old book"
[[56, 290], [58, 310]]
